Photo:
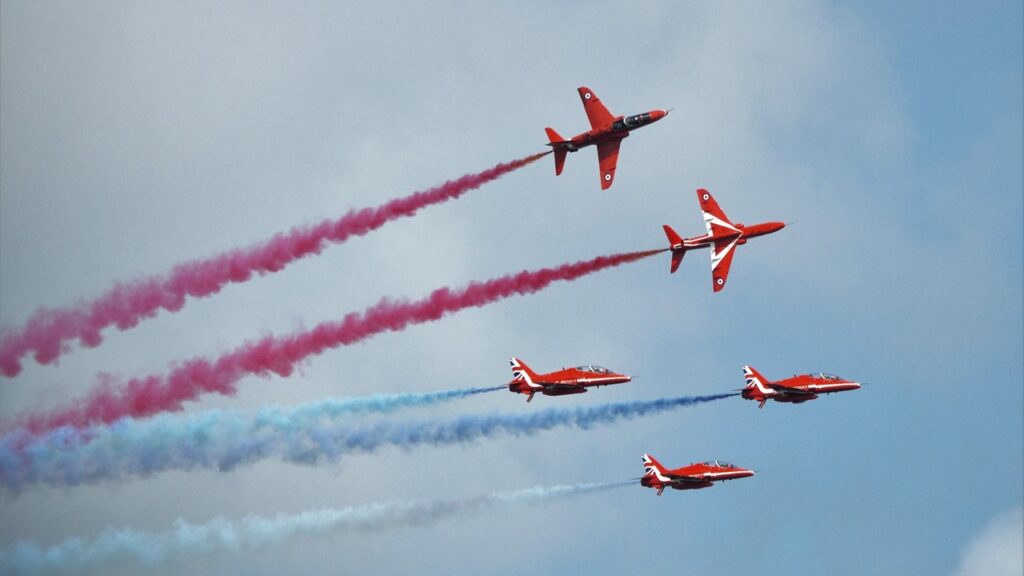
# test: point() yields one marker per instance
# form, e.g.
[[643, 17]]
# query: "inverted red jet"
[[565, 381], [606, 132], [723, 237], [794, 390], [690, 477]]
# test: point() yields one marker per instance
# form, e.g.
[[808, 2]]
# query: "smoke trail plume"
[[253, 532], [307, 434], [279, 354], [47, 333]]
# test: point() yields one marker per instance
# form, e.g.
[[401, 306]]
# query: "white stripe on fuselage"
[[717, 474], [603, 379], [824, 387]]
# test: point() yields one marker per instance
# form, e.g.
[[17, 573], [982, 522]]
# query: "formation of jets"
[[722, 238]]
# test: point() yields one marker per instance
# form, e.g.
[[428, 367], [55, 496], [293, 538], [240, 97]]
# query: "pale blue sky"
[[136, 136]]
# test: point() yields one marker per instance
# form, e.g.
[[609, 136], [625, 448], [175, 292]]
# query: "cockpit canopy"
[[719, 464], [592, 369], [827, 376], [632, 121]]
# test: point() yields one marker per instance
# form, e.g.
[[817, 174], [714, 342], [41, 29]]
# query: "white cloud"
[[998, 550]]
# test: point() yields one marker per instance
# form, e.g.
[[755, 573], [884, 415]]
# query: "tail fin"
[[554, 140], [554, 137], [521, 372], [675, 242], [653, 468], [756, 380], [654, 474]]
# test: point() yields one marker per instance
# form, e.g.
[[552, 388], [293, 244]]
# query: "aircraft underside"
[[562, 391]]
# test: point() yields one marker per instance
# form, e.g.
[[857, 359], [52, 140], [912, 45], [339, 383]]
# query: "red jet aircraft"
[[795, 390], [689, 477], [606, 131], [723, 237], [565, 381]]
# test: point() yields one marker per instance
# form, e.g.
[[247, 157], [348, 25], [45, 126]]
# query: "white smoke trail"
[[251, 532]]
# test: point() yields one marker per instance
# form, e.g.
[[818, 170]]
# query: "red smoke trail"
[[47, 332], [279, 355]]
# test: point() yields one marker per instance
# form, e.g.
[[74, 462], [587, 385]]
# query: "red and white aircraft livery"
[[794, 390], [723, 237], [689, 477], [606, 132], [565, 381]]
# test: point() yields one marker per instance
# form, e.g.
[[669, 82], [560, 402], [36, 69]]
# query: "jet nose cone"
[[658, 114]]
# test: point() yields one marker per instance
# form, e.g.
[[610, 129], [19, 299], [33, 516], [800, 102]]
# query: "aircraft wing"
[[562, 389], [598, 115], [715, 219], [608, 157], [721, 259], [560, 385]]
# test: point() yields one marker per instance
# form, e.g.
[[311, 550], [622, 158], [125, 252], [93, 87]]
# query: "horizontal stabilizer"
[[677, 258], [559, 160], [675, 242]]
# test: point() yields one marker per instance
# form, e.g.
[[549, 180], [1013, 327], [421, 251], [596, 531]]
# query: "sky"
[[134, 136]]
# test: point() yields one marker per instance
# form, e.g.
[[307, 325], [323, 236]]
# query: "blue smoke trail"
[[251, 532], [226, 439]]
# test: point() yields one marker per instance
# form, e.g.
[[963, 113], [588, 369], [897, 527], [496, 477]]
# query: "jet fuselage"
[[794, 390], [606, 133], [744, 233], [692, 477], [562, 382], [619, 129]]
